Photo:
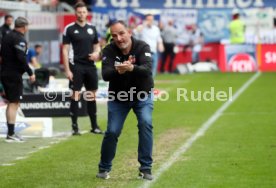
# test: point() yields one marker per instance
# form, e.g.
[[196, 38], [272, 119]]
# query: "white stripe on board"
[[200, 132]]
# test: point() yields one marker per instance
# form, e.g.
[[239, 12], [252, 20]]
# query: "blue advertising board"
[[214, 24]]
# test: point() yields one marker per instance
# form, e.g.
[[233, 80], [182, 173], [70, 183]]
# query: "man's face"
[[26, 28], [193, 27], [38, 50], [121, 36], [9, 21], [81, 14], [149, 20]]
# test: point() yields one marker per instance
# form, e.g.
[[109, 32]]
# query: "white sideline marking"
[[41, 148], [249, 113], [200, 132], [8, 164], [65, 135], [20, 158]]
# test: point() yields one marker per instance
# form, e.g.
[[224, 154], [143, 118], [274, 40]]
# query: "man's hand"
[[95, 56], [69, 75], [121, 71], [32, 78], [126, 66]]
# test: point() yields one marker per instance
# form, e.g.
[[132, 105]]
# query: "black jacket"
[[141, 76], [4, 30], [13, 53]]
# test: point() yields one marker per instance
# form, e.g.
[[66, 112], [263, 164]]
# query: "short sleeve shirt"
[[82, 40], [31, 53], [152, 36]]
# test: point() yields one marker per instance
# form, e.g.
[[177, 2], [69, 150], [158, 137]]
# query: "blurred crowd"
[[162, 38]]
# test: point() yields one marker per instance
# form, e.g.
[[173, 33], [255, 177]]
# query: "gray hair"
[[21, 22]]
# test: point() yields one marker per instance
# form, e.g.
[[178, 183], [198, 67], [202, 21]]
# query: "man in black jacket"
[[127, 66], [14, 64], [4, 30], [6, 27]]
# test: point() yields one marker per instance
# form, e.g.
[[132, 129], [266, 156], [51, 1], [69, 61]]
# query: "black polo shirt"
[[82, 40], [4, 30], [13, 53]]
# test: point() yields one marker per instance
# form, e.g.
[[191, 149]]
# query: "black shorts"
[[13, 86], [84, 75]]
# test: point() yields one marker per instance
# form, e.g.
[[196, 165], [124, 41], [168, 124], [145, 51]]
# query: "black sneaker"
[[75, 131], [145, 174], [97, 130], [103, 175], [14, 138]]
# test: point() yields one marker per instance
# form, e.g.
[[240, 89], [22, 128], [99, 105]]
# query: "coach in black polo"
[[80, 50], [14, 64]]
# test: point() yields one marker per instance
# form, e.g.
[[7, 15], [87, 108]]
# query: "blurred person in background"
[[6, 27], [169, 35], [32, 56], [108, 36], [14, 64], [196, 42], [151, 34], [237, 28], [4, 30], [81, 70]]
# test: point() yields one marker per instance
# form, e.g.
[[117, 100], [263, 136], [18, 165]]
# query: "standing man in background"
[[150, 33], [237, 28], [14, 64], [169, 35], [196, 42], [6, 27], [82, 70]]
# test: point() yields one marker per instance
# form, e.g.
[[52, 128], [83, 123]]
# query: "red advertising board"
[[210, 52], [268, 57], [240, 58], [242, 63]]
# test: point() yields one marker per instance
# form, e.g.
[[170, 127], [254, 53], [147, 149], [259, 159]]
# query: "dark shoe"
[[103, 175], [14, 138], [75, 131], [145, 175], [97, 130]]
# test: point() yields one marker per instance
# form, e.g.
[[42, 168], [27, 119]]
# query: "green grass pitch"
[[237, 151]]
